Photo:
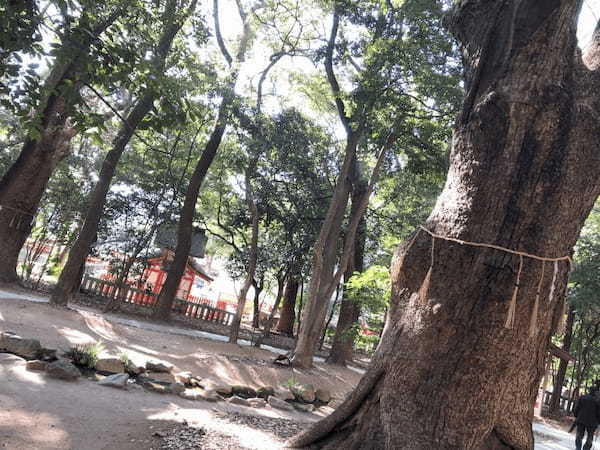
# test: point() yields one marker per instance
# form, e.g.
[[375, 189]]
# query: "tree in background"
[[48, 112], [172, 22], [394, 78]]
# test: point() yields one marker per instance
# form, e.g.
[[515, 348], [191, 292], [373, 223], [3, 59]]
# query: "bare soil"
[[37, 412]]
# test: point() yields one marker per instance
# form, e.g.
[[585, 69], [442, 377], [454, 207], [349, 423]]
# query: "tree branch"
[[333, 83]]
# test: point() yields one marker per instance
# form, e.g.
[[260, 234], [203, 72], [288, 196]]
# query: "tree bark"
[[258, 288], [23, 185], [285, 325], [330, 318], [68, 282], [523, 176], [343, 342], [559, 381]]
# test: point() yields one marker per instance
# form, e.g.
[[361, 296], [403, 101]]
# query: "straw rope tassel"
[[425, 286], [562, 322], [553, 285], [400, 262], [533, 328], [510, 315]]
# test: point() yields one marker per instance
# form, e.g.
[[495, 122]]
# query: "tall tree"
[[392, 62], [69, 277], [49, 131], [523, 176], [188, 210], [341, 349]]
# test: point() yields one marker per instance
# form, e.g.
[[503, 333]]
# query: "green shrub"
[[85, 355], [125, 359]]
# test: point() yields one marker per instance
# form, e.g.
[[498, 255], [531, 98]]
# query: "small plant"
[[125, 359], [294, 385], [85, 355]]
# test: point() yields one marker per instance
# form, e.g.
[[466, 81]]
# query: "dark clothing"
[[587, 411], [581, 430], [587, 417]]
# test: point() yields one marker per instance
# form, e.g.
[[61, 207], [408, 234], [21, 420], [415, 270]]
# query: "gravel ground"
[[185, 437]]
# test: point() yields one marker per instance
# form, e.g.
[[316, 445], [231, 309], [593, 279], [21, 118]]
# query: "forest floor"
[[37, 412]]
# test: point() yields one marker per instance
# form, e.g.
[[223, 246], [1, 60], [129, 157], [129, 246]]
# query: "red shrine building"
[[155, 274]]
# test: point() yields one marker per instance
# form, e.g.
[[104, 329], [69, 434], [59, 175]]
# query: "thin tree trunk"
[[186, 216], [324, 257], [559, 379], [343, 341], [330, 318], [285, 325], [270, 320], [523, 176], [23, 185], [300, 305], [67, 283], [252, 257], [258, 288]]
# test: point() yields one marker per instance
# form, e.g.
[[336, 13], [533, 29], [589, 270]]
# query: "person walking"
[[587, 418]]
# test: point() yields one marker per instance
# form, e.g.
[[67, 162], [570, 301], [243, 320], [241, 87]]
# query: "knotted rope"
[[510, 317]]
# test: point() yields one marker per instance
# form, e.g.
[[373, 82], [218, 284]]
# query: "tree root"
[[343, 412]]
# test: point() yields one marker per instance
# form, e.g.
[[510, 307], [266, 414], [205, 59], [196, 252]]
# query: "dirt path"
[[41, 413]]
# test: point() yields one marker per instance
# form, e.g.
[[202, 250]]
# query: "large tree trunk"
[[343, 341], [24, 184], [523, 176], [285, 325], [68, 283], [562, 366]]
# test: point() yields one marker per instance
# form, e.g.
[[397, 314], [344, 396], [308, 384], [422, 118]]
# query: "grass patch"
[[85, 355]]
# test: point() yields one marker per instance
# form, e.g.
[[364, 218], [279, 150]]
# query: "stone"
[[323, 395], [110, 364], [133, 368], [158, 366], [189, 394], [12, 343], [183, 377], [306, 393], [118, 380], [36, 364], [177, 387], [283, 394], [235, 400], [62, 370], [279, 404], [304, 407], [47, 354], [195, 382], [257, 402], [243, 391], [163, 377], [208, 395], [265, 391], [156, 387], [9, 358], [217, 386]]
